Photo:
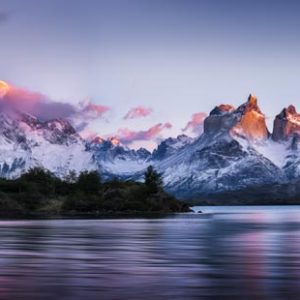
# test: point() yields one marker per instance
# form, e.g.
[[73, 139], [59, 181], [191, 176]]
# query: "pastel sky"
[[153, 63]]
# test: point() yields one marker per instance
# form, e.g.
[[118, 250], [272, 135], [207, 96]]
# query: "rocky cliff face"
[[220, 119], [286, 124], [170, 146], [247, 121], [251, 121]]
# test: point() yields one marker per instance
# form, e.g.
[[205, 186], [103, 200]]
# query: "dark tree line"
[[40, 191]]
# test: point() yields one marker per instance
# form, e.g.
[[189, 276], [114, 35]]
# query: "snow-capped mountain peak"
[[170, 146], [235, 151], [26, 142]]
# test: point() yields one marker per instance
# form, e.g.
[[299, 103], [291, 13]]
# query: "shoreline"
[[76, 215]]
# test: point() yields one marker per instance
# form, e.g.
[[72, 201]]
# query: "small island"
[[39, 193]]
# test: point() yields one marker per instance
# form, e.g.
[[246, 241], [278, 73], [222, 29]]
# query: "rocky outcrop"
[[251, 121], [247, 121], [295, 144], [220, 119], [286, 124], [170, 146]]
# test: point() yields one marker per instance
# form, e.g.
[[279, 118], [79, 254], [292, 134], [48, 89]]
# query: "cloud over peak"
[[127, 136], [195, 125], [138, 112], [44, 108], [93, 110]]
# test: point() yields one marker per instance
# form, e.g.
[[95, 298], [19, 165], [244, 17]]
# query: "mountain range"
[[236, 151]]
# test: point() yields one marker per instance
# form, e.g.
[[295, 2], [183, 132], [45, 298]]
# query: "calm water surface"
[[224, 253]]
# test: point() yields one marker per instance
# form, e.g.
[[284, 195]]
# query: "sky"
[[148, 69]]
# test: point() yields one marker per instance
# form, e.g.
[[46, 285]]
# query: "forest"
[[39, 192]]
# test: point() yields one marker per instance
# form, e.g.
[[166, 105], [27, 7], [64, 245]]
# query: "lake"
[[224, 253]]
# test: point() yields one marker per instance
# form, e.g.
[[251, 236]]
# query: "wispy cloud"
[[138, 112], [41, 106], [195, 125], [127, 136], [92, 110]]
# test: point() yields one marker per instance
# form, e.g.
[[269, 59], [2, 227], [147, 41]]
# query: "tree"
[[71, 177], [89, 182], [41, 178], [153, 180], [37, 174]]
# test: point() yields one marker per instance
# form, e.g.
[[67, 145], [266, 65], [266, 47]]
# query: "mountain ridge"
[[235, 151]]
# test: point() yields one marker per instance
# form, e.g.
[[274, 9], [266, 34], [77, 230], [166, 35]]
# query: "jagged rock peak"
[[252, 100], [60, 125], [288, 111], [291, 110], [286, 124], [97, 140], [222, 109], [250, 105], [170, 146], [247, 121], [111, 140], [115, 141], [252, 123]]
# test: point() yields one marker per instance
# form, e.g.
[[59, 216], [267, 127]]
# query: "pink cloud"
[[127, 136], [196, 123], [94, 110], [21, 99], [88, 134], [42, 107], [138, 112]]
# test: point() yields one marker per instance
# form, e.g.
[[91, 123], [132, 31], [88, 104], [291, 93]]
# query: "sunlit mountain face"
[[247, 121], [252, 124], [286, 124], [235, 151]]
